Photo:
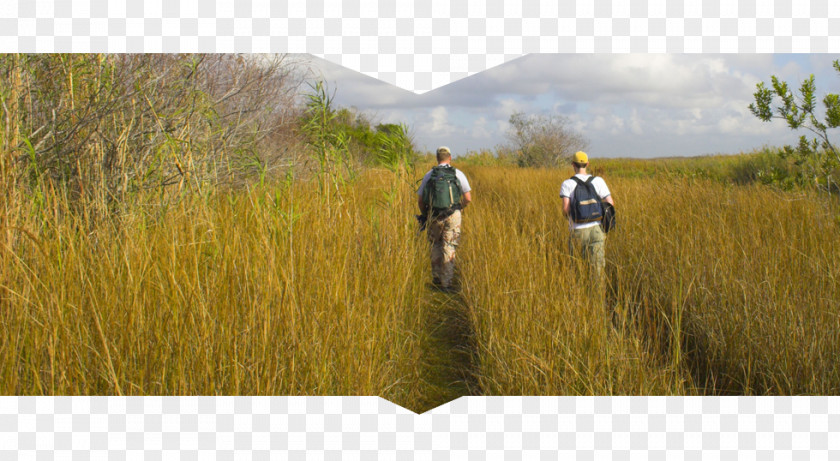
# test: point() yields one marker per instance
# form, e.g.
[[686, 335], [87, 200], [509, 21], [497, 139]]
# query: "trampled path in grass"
[[448, 367]]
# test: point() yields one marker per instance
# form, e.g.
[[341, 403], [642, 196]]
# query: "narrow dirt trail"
[[449, 360]]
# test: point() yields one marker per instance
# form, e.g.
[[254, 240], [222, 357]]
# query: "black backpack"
[[442, 193], [584, 209], [586, 205]]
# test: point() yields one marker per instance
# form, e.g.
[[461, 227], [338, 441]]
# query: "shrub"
[[817, 159], [543, 140]]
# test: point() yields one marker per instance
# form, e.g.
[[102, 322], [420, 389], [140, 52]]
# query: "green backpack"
[[443, 191]]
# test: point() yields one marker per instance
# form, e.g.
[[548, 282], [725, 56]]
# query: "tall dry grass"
[[745, 279], [540, 330], [260, 292], [711, 289]]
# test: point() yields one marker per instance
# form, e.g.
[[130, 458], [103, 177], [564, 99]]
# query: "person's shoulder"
[[462, 178], [601, 186], [567, 186]]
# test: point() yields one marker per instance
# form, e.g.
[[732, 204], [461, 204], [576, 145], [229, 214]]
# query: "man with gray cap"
[[443, 193]]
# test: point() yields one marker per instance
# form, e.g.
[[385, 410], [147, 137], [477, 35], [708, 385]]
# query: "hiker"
[[443, 193], [584, 211]]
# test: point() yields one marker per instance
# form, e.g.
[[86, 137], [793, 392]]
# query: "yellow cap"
[[443, 150], [580, 158]]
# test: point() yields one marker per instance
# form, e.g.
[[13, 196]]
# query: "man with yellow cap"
[[586, 238]]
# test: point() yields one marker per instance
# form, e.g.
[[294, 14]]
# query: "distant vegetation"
[[768, 166], [541, 140], [764, 166]]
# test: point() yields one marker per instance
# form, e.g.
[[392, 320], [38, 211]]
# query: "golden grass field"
[[712, 289]]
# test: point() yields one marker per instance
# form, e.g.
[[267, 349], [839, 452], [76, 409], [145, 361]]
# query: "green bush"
[[817, 160], [383, 144]]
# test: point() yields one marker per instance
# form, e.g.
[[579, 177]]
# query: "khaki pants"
[[588, 244], [444, 235]]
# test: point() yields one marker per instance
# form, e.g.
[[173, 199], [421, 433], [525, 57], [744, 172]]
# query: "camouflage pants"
[[444, 235]]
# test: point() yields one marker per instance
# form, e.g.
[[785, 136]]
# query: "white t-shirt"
[[567, 189], [465, 185]]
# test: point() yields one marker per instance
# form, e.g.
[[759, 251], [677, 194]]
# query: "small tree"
[[818, 159], [543, 140]]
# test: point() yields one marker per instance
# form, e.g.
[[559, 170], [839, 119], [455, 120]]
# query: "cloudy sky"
[[640, 105]]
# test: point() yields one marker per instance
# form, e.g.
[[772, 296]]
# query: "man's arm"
[[467, 199], [420, 191], [566, 206], [604, 190]]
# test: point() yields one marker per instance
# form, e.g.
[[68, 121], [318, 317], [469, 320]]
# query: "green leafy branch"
[[818, 156]]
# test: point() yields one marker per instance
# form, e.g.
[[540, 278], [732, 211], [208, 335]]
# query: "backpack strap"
[[587, 184], [597, 195]]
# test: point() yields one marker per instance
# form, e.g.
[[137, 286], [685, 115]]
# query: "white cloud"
[[653, 80], [792, 72], [437, 123], [507, 106], [819, 64], [635, 123], [605, 123], [479, 128]]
